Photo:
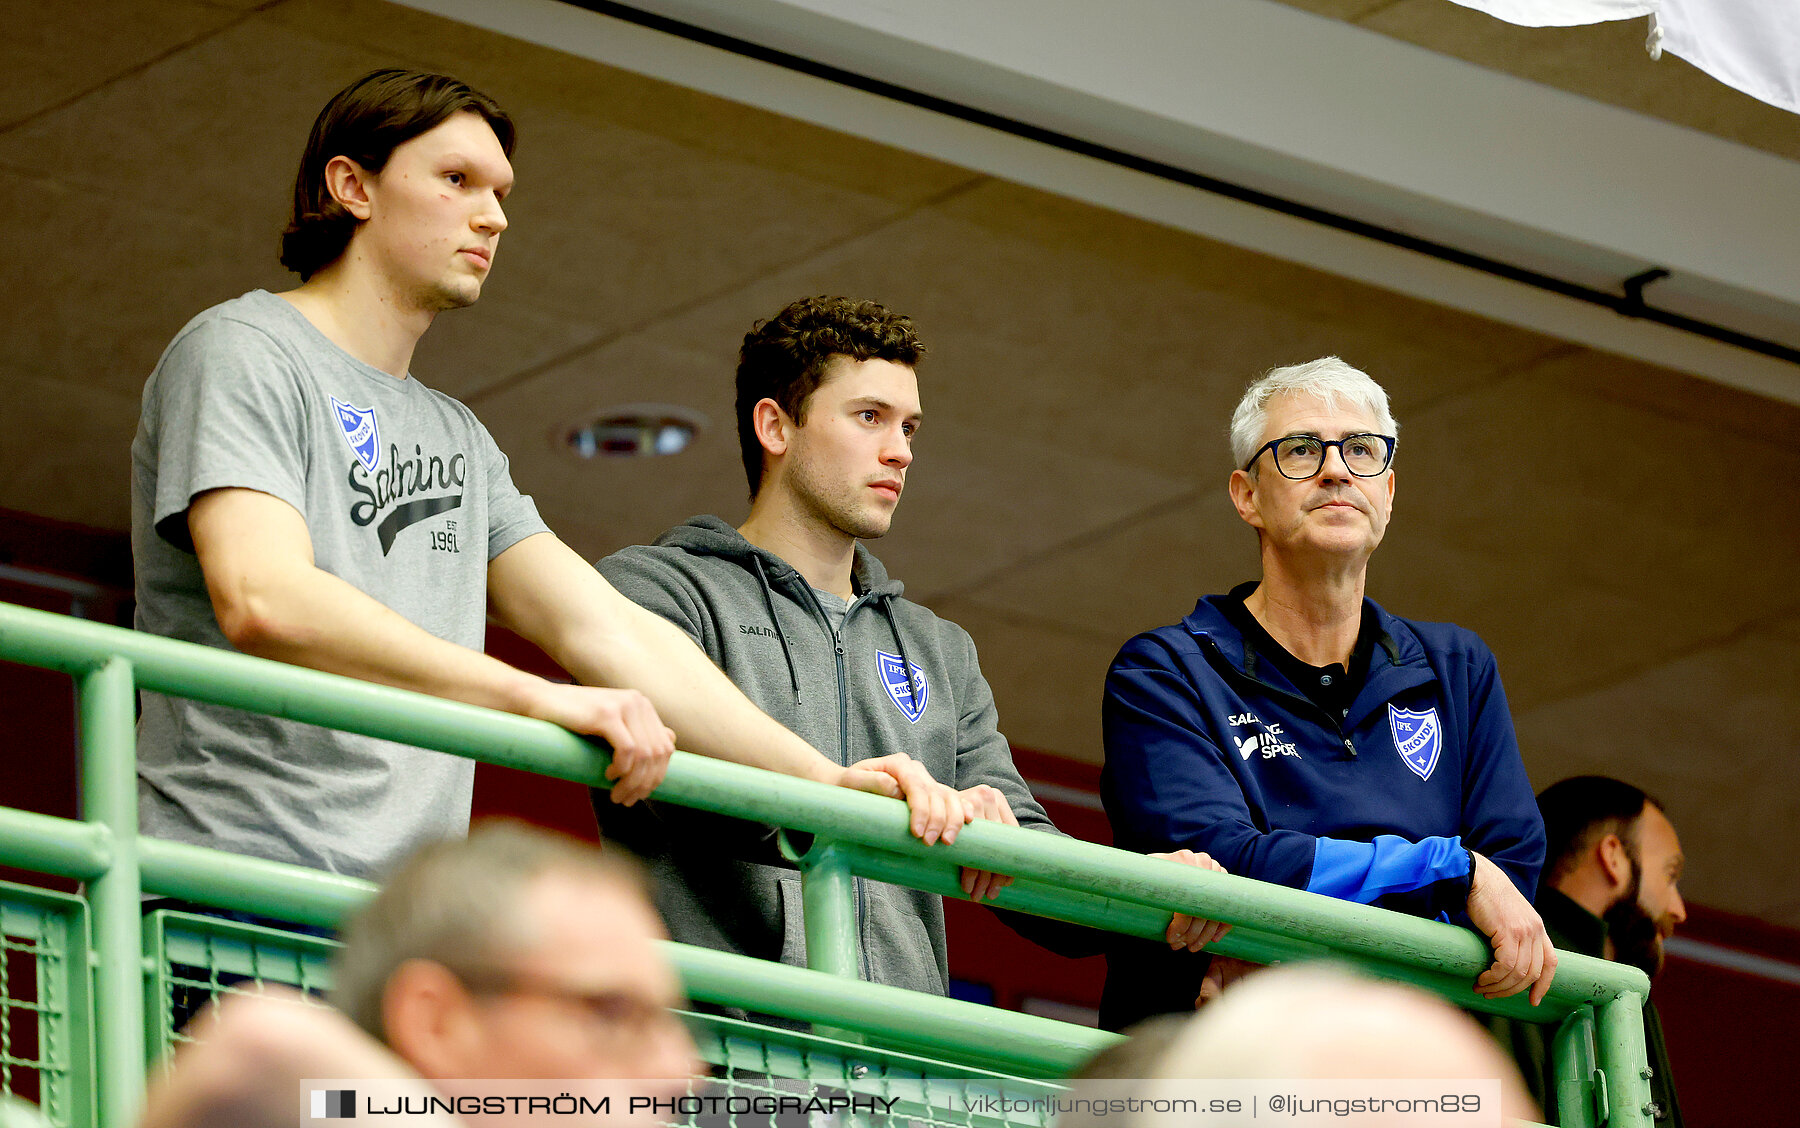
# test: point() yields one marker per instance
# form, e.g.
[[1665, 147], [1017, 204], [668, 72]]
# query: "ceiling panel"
[[177, 135], [100, 281], [1711, 734], [66, 452], [1145, 571], [54, 51], [1047, 682], [1618, 492], [1178, 304]]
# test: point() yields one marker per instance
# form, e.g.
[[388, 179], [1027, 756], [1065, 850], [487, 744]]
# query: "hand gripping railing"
[[1599, 1045]]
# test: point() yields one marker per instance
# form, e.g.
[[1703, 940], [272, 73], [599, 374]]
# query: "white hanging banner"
[[1752, 45], [1561, 13]]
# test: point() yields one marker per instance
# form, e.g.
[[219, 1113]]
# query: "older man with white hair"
[[1300, 734]]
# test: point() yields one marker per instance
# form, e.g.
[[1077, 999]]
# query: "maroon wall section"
[[1730, 1033], [1016, 973], [510, 793], [90, 571]]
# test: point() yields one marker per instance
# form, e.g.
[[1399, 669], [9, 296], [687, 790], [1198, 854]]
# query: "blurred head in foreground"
[[515, 953], [513, 956], [1314, 1022]]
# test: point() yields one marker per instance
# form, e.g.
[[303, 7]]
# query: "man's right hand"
[[1523, 954], [626, 720], [1192, 932]]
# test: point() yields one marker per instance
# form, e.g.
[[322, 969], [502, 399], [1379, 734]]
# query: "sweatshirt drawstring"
[[912, 685], [769, 602]]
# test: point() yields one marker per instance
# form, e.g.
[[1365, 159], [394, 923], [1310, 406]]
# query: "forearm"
[[305, 616], [709, 714], [544, 591], [1365, 871]]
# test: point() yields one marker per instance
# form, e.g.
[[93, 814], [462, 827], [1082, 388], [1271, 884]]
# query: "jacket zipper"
[[1334, 722], [843, 688], [856, 883]]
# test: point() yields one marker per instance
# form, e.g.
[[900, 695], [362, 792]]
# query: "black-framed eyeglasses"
[[622, 1011], [1301, 456]]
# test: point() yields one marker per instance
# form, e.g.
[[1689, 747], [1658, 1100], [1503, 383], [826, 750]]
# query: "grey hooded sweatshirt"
[[844, 689]]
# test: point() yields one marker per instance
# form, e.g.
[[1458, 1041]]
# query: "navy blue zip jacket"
[[1210, 747]]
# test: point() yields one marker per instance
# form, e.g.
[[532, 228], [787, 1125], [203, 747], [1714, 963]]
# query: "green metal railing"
[[1599, 1045], [193, 959]]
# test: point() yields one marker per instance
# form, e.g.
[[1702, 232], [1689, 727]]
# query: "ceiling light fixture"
[[637, 430]]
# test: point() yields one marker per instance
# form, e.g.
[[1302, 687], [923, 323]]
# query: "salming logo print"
[[1266, 739], [393, 488]]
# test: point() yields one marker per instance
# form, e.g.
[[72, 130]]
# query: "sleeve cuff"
[[1364, 871]]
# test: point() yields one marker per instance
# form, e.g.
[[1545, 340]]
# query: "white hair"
[[1303, 1022], [1330, 379]]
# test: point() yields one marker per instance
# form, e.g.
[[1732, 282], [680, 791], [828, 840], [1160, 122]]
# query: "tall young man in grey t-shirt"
[[297, 495]]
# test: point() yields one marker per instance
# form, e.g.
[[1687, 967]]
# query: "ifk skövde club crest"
[[360, 431], [893, 675], [1418, 737]]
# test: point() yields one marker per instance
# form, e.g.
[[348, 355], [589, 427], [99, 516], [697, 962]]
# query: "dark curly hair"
[[366, 122], [784, 358]]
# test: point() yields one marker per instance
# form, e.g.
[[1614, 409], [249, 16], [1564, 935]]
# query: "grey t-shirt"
[[834, 606], [405, 496]]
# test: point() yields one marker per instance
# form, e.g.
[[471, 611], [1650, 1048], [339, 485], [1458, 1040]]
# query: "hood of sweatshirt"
[[707, 535], [712, 536]]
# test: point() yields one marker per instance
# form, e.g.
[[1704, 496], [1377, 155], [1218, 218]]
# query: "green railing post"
[[1572, 1052], [1622, 1059], [828, 899], [109, 797]]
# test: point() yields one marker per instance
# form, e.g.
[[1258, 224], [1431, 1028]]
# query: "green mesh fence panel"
[[46, 1015], [751, 1060], [195, 959]]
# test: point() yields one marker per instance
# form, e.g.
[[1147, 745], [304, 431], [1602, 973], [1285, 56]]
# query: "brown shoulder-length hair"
[[366, 122]]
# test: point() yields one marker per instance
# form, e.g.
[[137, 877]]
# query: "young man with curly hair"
[[804, 618]]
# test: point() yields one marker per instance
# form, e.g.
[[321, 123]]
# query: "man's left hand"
[[1523, 954], [1222, 974], [938, 810]]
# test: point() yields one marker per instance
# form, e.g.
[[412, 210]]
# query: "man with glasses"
[[514, 954], [1300, 734]]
